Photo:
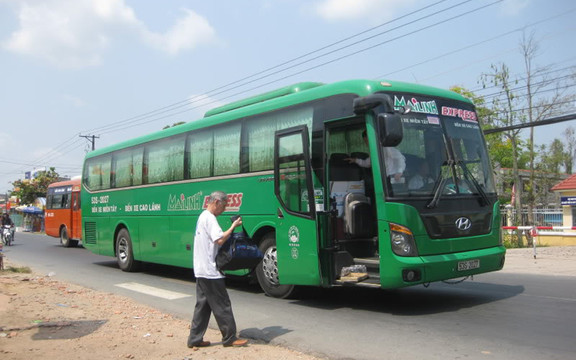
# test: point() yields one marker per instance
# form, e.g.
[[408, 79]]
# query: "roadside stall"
[[32, 216]]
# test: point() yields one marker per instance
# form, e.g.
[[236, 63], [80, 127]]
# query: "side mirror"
[[364, 104], [391, 131]]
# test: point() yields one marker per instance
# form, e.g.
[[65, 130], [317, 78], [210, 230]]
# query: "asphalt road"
[[500, 315]]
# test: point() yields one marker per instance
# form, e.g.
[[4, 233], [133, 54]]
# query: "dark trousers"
[[212, 297]]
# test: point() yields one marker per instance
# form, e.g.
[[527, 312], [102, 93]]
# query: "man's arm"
[[227, 233]]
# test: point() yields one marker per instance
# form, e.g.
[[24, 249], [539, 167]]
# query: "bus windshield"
[[444, 154]]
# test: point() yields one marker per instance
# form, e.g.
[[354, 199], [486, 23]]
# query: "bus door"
[[296, 228], [76, 217]]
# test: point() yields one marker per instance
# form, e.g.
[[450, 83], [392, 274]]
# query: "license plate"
[[468, 265]]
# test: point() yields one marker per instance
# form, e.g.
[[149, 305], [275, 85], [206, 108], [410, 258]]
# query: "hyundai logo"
[[463, 223]]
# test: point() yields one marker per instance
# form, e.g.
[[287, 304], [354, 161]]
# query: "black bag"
[[239, 252]]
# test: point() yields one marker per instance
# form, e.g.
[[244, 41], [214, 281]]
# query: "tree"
[[503, 113], [537, 94], [28, 190], [553, 157], [570, 149], [500, 147]]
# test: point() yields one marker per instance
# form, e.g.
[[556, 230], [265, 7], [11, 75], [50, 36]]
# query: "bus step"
[[369, 283], [373, 262]]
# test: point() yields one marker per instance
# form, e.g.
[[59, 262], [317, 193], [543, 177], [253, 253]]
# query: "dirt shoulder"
[[554, 260], [41, 317], [48, 318]]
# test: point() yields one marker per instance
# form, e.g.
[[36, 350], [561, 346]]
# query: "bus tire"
[[267, 270], [65, 239], [125, 253]]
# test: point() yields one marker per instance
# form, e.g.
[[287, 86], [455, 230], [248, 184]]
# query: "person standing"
[[394, 161], [211, 293]]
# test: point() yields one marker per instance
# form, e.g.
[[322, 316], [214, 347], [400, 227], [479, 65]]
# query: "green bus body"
[[279, 157]]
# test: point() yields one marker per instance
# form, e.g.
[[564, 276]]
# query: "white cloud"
[[188, 32], [76, 34], [337, 10], [514, 7]]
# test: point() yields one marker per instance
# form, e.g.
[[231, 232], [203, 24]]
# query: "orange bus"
[[63, 216]]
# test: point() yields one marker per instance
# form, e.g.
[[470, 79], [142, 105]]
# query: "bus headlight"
[[402, 241]]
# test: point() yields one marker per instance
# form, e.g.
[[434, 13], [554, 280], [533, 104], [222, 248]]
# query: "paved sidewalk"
[[553, 260]]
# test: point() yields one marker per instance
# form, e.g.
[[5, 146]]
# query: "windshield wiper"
[[468, 174], [439, 186]]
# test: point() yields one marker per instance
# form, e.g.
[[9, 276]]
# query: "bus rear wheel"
[[124, 252], [267, 270], [65, 239]]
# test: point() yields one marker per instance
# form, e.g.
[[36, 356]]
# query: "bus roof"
[[74, 181], [283, 97]]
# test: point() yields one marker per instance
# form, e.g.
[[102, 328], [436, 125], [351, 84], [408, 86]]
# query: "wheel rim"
[[122, 249], [64, 237], [270, 266]]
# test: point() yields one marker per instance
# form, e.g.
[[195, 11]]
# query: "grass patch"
[[510, 241], [19, 270]]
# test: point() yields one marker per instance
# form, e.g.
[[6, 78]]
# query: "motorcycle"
[[7, 235]]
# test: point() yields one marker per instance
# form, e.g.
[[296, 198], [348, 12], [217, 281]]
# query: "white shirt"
[[394, 160], [208, 232], [418, 181]]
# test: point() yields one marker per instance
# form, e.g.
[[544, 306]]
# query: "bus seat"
[[358, 218], [412, 164]]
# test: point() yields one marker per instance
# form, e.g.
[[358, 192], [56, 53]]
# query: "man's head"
[[217, 202]]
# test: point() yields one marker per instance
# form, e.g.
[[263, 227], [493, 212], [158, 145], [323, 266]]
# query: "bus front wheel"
[[65, 239], [267, 270], [124, 252]]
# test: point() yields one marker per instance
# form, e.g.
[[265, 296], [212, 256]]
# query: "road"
[[495, 316]]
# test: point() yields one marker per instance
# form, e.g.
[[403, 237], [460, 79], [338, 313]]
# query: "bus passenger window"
[[166, 160], [227, 150], [200, 154]]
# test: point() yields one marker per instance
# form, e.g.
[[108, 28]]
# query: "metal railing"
[[547, 216]]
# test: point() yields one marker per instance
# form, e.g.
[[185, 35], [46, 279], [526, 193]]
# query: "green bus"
[[288, 160]]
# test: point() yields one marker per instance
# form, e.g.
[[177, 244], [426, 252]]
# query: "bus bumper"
[[431, 268]]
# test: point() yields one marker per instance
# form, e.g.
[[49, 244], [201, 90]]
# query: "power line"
[[92, 139], [169, 110], [523, 87], [186, 102], [532, 124], [497, 37], [216, 91]]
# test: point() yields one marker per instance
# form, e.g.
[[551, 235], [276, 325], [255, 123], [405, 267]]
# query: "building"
[[566, 233], [567, 193]]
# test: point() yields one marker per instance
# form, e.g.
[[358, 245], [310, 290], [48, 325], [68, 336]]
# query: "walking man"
[[211, 294]]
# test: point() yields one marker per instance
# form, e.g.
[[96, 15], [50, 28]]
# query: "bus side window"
[[200, 154], [166, 160], [98, 173], [65, 201], [227, 150]]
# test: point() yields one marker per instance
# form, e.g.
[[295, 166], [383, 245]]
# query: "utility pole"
[[92, 139]]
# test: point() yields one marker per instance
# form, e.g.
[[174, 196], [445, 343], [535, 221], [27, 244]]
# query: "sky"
[[118, 69]]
